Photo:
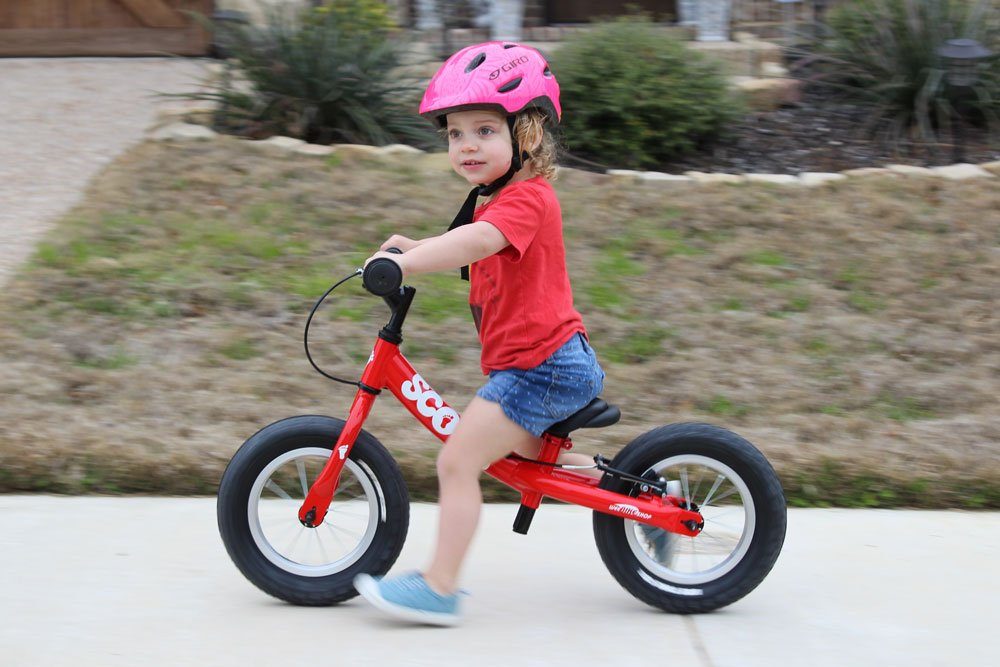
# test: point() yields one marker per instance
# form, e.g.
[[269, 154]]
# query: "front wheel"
[[742, 503], [266, 483]]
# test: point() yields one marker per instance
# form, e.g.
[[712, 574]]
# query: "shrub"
[[634, 97], [883, 55], [329, 74], [355, 16]]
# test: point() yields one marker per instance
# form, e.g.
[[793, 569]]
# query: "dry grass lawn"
[[851, 331]]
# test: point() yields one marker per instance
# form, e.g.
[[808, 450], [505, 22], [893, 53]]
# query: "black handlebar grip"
[[383, 276]]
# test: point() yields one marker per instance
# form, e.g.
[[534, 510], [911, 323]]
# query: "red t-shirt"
[[520, 297]]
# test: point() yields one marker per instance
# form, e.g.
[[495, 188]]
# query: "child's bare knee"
[[451, 462]]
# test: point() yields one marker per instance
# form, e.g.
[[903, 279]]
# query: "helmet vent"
[[547, 72], [509, 46], [510, 85], [475, 62]]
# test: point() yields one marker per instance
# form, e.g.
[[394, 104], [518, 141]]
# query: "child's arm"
[[459, 247], [404, 243]]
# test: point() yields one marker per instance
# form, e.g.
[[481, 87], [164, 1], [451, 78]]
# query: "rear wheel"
[[739, 497], [263, 488]]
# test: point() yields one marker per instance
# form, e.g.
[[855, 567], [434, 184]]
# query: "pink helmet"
[[494, 75]]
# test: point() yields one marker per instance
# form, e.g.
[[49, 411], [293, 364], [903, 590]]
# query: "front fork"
[[317, 502], [386, 369]]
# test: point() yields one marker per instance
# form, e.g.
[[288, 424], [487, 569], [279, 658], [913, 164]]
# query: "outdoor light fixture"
[[962, 57]]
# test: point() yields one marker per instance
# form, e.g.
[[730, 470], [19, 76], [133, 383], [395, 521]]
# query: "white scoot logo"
[[429, 404], [630, 510]]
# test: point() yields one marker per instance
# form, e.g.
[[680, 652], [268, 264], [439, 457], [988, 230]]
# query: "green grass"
[[240, 349], [608, 288], [901, 408], [818, 346], [721, 406], [117, 359], [865, 302], [637, 346], [767, 258]]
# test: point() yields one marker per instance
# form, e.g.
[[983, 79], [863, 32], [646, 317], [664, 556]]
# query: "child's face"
[[479, 145]]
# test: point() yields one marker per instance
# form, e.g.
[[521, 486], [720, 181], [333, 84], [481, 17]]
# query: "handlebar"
[[383, 276]]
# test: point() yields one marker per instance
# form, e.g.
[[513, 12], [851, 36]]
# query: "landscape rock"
[[910, 170], [869, 171], [183, 132], [779, 179], [814, 178], [769, 94], [400, 149], [962, 171], [282, 143], [359, 150], [660, 176], [624, 174], [702, 177], [315, 149]]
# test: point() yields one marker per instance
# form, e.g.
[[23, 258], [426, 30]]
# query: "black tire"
[[263, 487], [652, 564]]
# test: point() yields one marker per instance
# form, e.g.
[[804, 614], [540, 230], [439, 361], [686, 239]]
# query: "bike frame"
[[387, 368]]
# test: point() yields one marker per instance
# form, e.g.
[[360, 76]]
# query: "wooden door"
[[102, 27]]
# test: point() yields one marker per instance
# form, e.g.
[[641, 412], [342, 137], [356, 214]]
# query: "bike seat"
[[594, 415]]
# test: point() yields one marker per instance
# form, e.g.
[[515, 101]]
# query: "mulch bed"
[[820, 134]]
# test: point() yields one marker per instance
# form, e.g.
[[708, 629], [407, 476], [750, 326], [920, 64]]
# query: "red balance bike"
[[687, 517]]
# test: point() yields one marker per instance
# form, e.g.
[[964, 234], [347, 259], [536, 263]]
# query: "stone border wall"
[[171, 129]]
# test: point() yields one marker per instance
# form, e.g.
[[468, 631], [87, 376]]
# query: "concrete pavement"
[[127, 581]]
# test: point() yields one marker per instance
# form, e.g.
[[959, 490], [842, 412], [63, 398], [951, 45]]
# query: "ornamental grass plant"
[[883, 55], [332, 74]]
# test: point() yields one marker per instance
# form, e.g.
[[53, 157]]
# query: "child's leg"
[[483, 435], [565, 458]]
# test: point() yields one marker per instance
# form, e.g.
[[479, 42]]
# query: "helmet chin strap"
[[468, 209]]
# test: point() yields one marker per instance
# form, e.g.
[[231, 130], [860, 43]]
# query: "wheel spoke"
[[694, 492], [341, 512], [341, 487], [715, 517], [294, 542], [300, 464], [715, 487], [726, 494], [334, 534], [350, 532], [319, 545], [272, 486], [717, 540], [684, 486]]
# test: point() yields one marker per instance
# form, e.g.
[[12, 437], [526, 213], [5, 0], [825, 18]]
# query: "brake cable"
[[305, 337]]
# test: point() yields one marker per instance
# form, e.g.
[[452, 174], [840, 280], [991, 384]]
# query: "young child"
[[493, 100]]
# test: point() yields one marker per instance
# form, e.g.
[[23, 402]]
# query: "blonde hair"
[[529, 130]]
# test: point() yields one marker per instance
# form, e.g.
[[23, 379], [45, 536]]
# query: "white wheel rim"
[[346, 532], [729, 525]]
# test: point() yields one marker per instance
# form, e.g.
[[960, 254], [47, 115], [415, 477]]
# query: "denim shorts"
[[537, 398]]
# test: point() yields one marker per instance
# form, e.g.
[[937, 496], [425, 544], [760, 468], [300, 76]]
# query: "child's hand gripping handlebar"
[[383, 276]]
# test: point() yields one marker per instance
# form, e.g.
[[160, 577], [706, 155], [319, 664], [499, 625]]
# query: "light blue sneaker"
[[409, 597]]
